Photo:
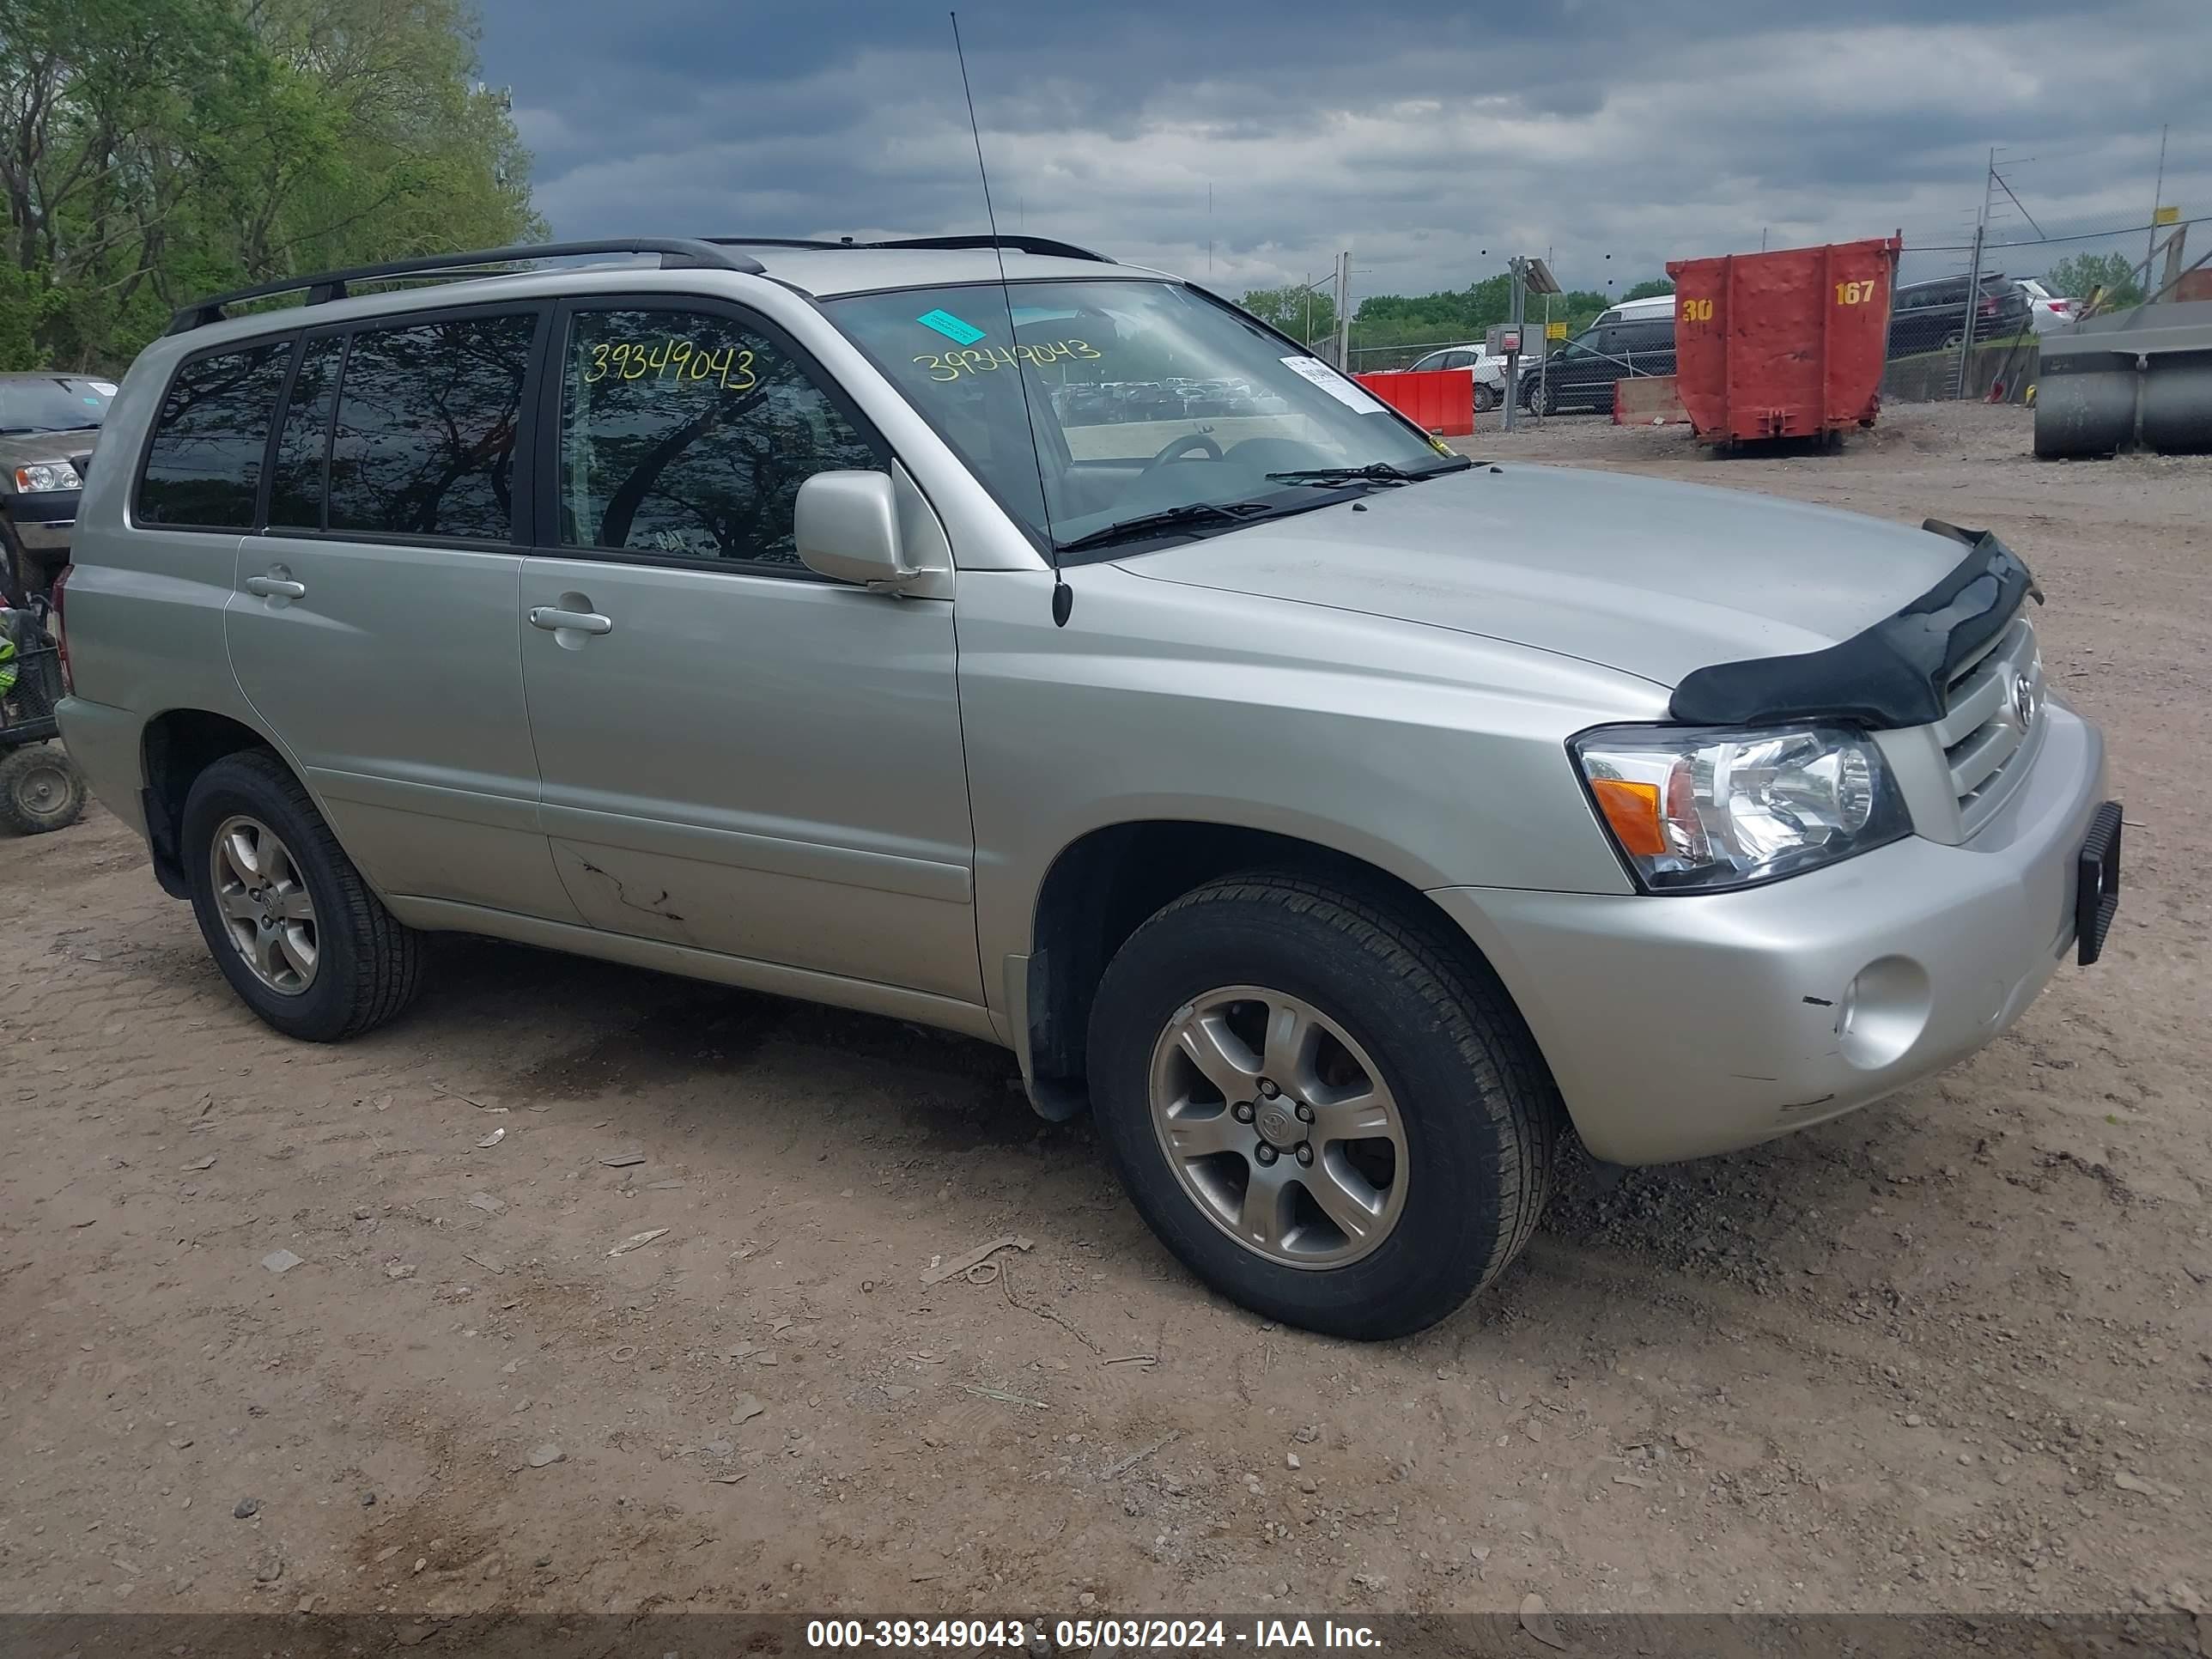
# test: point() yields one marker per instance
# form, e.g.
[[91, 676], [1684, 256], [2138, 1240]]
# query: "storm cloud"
[[1432, 139]]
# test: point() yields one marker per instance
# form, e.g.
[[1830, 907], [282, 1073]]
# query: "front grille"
[[1983, 730]]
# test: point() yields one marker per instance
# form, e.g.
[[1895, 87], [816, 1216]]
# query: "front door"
[[373, 625], [734, 755]]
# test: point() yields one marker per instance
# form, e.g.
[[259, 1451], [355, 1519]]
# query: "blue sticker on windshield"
[[950, 327]]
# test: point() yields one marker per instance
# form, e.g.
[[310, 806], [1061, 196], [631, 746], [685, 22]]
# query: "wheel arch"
[[175, 747], [1107, 883]]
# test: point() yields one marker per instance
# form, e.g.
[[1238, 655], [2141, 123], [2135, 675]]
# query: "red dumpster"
[[1438, 400], [1785, 344]]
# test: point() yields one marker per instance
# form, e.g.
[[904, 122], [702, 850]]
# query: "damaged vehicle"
[[1339, 820]]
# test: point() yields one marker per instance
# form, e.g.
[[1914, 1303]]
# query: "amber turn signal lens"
[[1632, 810]]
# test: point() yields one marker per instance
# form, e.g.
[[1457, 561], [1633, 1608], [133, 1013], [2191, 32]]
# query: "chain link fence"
[[1971, 302], [1973, 296]]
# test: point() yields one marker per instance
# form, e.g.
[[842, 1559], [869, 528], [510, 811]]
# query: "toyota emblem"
[[2025, 699]]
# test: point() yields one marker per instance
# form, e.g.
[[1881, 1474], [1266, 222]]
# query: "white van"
[[1658, 307]]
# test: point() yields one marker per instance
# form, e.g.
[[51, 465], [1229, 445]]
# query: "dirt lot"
[[1952, 1352]]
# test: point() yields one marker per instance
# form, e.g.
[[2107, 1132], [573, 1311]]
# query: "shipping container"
[[1437, 400], [1785, 344]]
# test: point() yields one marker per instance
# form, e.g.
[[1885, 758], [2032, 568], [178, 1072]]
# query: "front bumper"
[[1677, 1026], [44, 522]]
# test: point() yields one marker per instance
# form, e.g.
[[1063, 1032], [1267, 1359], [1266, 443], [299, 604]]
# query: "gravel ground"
[[1952, 1352]]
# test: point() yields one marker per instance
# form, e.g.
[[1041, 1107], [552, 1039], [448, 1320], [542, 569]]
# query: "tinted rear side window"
[[204, 463], [426, 419], [296, 485]]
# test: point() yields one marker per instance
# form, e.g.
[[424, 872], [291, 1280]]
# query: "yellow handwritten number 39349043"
[[982, 359], [672, 360]]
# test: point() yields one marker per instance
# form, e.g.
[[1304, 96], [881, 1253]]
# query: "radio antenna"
[[1063, 596]]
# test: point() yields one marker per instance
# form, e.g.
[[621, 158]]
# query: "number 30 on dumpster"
[[1697, 311], [1857, 293]]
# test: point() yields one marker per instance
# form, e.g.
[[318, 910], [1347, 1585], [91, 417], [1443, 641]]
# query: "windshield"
[[60, 404], [1147, 399]]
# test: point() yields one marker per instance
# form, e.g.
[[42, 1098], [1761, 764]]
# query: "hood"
[[1654, 578], [21, 448]]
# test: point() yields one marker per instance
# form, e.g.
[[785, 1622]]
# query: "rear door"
[[1589, 369], [735, 754], [1928, 313], [1648, 347], [373, 625]]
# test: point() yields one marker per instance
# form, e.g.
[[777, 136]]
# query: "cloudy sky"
[[1430, 138]]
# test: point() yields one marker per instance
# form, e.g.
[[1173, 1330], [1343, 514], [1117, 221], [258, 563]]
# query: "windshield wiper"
[[1170, 518], [1374, 472]]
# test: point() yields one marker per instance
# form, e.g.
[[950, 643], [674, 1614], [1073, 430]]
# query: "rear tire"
[[335, 962], [41, 789], [1408, 1017]]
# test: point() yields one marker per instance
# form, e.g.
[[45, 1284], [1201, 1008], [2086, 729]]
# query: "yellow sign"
[[1555, 330], [2165, 215]]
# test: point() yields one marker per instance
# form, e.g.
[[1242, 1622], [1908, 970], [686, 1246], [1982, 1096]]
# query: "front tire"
[[288, 917], [1401, 1162], [1485, 398]]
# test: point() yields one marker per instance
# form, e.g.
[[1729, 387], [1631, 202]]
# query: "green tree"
[[155, 150], [1302, 314], [1650, 288], [1390, 330], [2083, 274]]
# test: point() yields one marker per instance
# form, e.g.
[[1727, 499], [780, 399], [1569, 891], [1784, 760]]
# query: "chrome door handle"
[[275, 587], [584, 622]]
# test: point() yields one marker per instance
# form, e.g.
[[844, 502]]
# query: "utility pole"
[[1344, 311], [1519, 268], [1973, 305], [2157, 201]]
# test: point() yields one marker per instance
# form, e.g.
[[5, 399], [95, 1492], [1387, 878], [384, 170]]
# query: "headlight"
[[1694, 809], [41, 477]]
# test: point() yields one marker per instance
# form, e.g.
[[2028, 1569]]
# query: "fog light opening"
[[1882, 1012]]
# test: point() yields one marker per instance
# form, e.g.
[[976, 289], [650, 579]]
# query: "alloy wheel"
[[1279, 1126], [264, 904]]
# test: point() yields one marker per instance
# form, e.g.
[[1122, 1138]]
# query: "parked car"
[[48, 424], [1335, 820], [1489, 371], [1582, 372], [2046, 310], [1653, 309], [1931, 316]]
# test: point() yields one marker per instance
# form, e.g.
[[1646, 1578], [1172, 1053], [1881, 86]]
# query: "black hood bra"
[[1889, 677]]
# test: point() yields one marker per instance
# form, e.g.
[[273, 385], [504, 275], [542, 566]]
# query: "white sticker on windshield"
[[105, 388], [1350, 393]]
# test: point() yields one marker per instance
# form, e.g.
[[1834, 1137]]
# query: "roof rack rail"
[[1044, 245], [677, 253], [782, 242]]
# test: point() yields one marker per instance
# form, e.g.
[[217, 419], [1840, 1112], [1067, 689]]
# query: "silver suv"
[[1336, 819]]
